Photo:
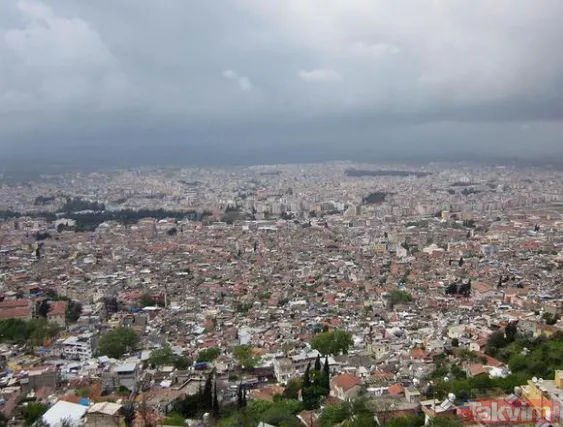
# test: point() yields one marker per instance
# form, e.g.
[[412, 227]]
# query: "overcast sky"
[[277, 73]]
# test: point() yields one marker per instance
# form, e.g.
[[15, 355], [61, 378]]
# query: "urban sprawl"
[[334, 294]]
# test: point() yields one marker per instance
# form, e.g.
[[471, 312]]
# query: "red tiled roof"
[[396, 389], [346, 381], [15, 303], [15, 313], [58, 308]]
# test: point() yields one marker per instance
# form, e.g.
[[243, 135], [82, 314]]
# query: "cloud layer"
[[67, 64]]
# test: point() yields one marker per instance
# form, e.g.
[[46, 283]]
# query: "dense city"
[[316, 295]]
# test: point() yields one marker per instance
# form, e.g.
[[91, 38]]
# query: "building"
[[16, 309], [125, 375], [79, 347], [284, 369], [104, 414], [345, 386], [57, 313]]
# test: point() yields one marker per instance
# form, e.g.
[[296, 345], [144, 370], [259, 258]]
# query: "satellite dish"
[[540, 380], [535, 380], [451, 397]]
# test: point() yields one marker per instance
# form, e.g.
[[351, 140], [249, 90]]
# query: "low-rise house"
[[104, 414], [345, 386]]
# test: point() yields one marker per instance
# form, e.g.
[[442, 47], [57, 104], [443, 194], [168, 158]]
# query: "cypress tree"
[[240, 402], [215, 407], [207, 396], [318, 366], [307, 377], [326, 376]]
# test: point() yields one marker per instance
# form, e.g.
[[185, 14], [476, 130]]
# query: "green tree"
[[73, 311], [406, 421], [43, 308], [32, 412], [510, 332], [118, 341], [292, 388], [354, 413], [207, 396], [208, 354], [182, 363], [495, 342], [174, 419], [147, 300], [245, 357], [326, 376], [397, 296], [332, 343], [161, 357], [215, 405], [446, 422]]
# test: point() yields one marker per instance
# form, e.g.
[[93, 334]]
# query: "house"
[[16, 309], [125, 375], [481, 291], [104, 414], [345, 386], [57, 313], [474, 370], [284, 369], [412, 395], [65, 413], [478, 345], [80, 347]]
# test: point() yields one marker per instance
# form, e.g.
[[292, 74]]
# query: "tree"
[[455, 342], [510, 332], [241, 401], [292, 388], [549, 318], [326, 377], [245, 356], [147, 300], [446, 422], [33, 412], [43, 308], [207, 397], [174, 419], [73, 311], [161, 357], [406, 421], [3, 420], [181, 363], [397, 296], [118, 341], [333, 342], [354, 413], [215, 406], [495, 342], [318, 365], [208, 354]]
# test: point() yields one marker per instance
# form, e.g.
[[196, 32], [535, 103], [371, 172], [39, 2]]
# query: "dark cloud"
[[281, 72]]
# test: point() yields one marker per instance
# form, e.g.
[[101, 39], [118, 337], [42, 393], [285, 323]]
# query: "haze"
[[279, 80]]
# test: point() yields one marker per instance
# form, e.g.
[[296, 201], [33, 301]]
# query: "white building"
[[78, 347]]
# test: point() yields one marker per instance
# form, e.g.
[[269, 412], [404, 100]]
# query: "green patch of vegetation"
[[35, 331], [332, 343], [118, 342]]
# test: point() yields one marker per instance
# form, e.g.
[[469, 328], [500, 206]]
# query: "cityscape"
[[281, 213], [284, 295]]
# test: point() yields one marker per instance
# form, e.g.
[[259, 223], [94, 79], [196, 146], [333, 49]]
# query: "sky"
[[254, 78]]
